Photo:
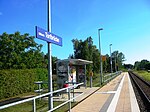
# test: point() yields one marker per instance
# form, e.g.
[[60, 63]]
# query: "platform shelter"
[[71, 71]]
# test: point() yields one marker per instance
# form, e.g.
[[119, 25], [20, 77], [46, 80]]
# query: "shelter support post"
[[85, 82], [90, 81]]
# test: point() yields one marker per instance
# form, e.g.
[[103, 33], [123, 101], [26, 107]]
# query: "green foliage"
[[144, 74], [86, 50], [147, 66], [128, 66], [106, 64], [117, 60], [20, 51], [54, 59], [142, 65], [15, 82], [96, 59]]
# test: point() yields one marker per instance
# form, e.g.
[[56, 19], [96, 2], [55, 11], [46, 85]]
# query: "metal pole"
[[69, 97], [115, 63], [85, 76], [50, 88], [90, 81], [110, 59], [34, 106], [101, 66], [73, 93]]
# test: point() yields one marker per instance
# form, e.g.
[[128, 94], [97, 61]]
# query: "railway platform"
[[116, 96]]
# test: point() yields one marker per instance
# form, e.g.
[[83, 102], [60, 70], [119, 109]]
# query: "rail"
[[111, 76], [47, 94], [143, 88]]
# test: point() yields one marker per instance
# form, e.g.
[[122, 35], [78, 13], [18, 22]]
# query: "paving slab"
[[96, 101], [116, 96], [123, 104], [86, 92]]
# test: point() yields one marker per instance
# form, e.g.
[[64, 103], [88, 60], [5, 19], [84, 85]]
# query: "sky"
[[125, 23]]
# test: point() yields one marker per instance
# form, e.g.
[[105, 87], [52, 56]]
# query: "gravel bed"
[[145, 87], [144, 106]]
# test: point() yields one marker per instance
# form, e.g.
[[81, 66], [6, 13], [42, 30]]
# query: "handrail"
[[112, 75], [43, 95], [64, 103], [107, 75]]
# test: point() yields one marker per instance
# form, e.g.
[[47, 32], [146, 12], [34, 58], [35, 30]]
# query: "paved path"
[[86, 92], [116, 96]]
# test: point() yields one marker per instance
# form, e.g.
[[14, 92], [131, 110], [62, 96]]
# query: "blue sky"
[[126, 23]]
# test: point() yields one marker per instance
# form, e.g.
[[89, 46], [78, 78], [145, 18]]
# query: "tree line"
[[142, 65], [139, 65], [86, 50], [22, 52]]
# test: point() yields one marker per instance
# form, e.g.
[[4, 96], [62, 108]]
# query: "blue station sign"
[[47, 36]]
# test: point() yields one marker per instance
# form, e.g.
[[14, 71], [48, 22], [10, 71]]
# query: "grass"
[[144, 74], [24, 107], [41, 106], [20, 96], [96, 80]]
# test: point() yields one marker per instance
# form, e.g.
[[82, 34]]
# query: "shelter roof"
[[76, 61]]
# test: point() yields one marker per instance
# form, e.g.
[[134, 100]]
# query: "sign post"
[[50, 88], [50, 38]]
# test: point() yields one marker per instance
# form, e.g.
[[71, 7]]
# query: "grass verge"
[[41, 106], [144, 74]]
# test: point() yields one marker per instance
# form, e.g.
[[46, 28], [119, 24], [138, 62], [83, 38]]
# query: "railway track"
[[142, 89]]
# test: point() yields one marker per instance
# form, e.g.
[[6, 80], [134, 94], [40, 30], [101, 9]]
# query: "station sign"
[[47, 36]]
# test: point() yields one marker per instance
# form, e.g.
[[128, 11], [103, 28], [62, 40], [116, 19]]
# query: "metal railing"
[[47, 94], [111, 76]]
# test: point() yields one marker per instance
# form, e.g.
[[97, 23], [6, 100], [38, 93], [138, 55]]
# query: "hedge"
[[15, 82]]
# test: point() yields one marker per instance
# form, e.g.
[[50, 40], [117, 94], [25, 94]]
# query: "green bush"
[[15, 82]]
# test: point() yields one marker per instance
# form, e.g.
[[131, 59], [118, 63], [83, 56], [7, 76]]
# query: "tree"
[[86, 50], [77, 48], [54, 59], [142, 65], [128, 66], [96, 59], [117, 59], [106, 64], [20, 51], [147, 66], [137, 65]]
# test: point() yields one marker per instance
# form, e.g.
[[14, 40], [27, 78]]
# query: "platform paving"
[[86, 92], [116, 96], [123, 103]]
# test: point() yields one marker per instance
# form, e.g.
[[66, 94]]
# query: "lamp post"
[[110, 59], [101, 66]]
